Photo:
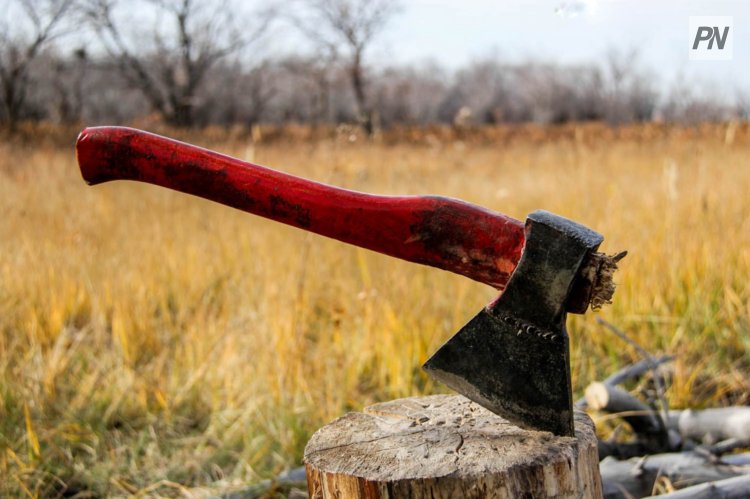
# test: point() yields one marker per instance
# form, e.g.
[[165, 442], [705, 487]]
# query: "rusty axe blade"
[[513, 357]]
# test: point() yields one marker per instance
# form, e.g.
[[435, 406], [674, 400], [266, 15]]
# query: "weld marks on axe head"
[[525, 328]]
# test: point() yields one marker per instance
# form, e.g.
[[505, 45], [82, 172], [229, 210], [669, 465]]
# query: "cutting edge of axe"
[[446, 233]]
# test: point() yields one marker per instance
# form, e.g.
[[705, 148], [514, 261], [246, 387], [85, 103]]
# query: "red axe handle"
[[441, 232]]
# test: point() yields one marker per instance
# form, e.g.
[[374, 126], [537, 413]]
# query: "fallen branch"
[[657, 376], [608, 398], [726, 446], [621, 450], [636, 477], [636, 370], [730, 488], [629, 372], [742, 459], [651, 437], [711, 425]]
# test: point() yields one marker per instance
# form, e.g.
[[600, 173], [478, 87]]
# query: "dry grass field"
[[154, 343]]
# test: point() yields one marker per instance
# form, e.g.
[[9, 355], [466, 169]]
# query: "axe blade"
[[521, 376], [513, 358]]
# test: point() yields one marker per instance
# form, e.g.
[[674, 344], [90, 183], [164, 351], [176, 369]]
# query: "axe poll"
[[511, 358]]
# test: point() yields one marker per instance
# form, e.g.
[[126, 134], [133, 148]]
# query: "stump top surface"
[[433, 436]]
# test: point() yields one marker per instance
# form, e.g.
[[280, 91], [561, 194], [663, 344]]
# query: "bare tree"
[[68, 74], [630, 93], [238, 94], [314, 75], [742, 101], [691, 102], [35, 25], [170, 66], [349, 26], [408, 94]]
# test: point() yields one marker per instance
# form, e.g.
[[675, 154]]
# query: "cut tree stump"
[[445, 446]]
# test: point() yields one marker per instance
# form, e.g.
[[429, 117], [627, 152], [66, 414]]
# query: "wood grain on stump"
[[445, 446]]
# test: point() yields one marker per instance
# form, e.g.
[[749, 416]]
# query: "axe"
[[512, 358]]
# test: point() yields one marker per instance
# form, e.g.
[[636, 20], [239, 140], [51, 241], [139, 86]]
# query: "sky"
[[455, 32]]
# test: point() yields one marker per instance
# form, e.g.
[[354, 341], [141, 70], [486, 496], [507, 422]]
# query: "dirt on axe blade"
[[512, 358]]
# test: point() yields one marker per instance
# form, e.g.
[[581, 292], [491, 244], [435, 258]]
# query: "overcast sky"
[[455, 32]]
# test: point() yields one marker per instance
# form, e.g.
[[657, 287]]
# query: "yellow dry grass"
[[152, 343]]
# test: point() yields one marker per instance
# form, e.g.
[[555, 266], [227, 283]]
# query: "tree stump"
[[445, 446]]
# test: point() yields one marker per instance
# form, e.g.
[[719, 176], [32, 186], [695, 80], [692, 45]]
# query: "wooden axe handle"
[[441, 232]]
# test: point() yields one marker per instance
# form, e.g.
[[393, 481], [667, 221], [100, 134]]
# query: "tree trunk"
[[364, 112], [447, 446]]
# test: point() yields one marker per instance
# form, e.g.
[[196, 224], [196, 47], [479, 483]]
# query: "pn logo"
[[711, 38]]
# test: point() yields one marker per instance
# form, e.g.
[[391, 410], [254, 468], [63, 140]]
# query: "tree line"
[[199, 63]]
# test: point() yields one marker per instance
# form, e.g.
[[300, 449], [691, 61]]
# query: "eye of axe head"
[[513, 358]]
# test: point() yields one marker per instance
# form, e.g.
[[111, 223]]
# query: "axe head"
[[513, 358]]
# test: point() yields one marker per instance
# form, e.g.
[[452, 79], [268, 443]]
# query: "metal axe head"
[[513, 357]]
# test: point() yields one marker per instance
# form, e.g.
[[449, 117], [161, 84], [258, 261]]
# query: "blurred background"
[[157, 344], [380, 63]]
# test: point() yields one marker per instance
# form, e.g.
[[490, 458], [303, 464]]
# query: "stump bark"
[[445, 446]]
